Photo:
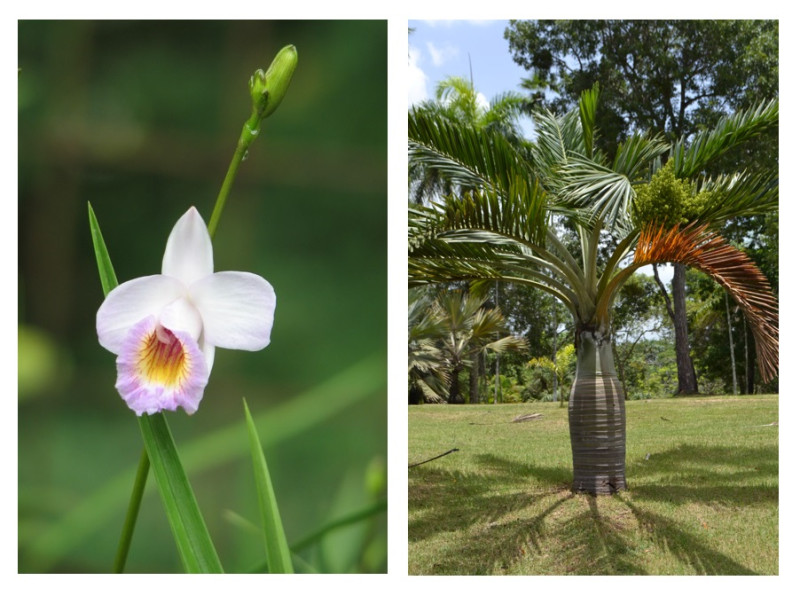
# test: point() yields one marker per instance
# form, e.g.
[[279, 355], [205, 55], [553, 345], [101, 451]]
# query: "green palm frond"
[[636, 154], [556, 138], [510, 343], [602, 192], [458, 98], [693, 157], [520, 214], [738, 195], [506, 106], [464, 154], [441, 260], [587, 107]]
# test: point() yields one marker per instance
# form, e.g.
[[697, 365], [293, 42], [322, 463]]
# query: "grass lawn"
[[702, 492]]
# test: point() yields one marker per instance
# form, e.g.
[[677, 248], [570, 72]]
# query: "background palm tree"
[[564, 218], [460, 328], [458, 101]]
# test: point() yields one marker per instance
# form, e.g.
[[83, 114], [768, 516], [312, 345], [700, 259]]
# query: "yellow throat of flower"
[[162, 359]]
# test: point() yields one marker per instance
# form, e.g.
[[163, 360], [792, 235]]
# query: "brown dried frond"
[[696, 247]]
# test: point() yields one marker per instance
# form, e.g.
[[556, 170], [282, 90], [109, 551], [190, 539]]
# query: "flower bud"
[[267, 89]]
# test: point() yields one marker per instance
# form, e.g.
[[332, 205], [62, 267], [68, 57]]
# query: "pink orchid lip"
[[160, 369]]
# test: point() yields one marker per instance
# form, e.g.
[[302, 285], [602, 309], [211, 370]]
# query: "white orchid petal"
[[129, 303], [237, 309], [189, 255], [208, 351], [181, 315]]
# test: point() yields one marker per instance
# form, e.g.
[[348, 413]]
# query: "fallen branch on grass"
[[520, 418], [526, 417], [433, 458]]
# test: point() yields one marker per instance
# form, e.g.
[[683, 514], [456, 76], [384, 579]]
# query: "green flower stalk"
[[267, 90]]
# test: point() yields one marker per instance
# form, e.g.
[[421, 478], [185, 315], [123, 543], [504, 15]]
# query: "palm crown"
[[503, 223]]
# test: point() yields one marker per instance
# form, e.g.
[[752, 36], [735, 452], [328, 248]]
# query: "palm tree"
[[428, 378], [507, 228], [460, 329], [458, 101]]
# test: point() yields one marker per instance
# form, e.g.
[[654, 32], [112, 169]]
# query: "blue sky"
[[438, 49]]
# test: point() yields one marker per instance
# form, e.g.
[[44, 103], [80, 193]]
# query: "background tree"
[[675, 76], [562, 366]]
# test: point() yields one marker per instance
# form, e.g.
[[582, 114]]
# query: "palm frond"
[[587, 107], [520, 215], [738, 195], [556, 138], [510, 343], [696, 247], [602, 192], [439, 260], [693, 157], [636, 154], [464, 154]]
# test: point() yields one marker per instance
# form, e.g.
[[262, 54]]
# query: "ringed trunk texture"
[[597, 418]]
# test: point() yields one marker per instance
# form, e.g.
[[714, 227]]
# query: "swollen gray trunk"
[[597, 418]]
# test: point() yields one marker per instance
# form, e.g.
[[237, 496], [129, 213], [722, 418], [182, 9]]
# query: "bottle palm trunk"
[[597, 418]]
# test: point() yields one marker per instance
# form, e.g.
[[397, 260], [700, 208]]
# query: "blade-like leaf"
[[188, 527], [738, 195], [279, 559], [108, 278], [463, 154], [588, 108], [693, 157], [191, 535]]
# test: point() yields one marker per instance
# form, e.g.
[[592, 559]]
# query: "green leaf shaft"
[[279, 558], [188, 527]]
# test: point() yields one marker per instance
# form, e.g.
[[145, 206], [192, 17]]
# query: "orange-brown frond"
[[694, 246]]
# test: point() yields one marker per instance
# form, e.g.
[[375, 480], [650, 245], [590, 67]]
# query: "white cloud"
[[450, 22], [440, 55], [417, 79], [483, 103]]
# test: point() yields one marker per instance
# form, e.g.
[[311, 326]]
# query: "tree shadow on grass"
[[548, 530], [728, 477]]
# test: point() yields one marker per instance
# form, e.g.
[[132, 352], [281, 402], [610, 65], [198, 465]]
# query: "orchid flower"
[[164, 328]]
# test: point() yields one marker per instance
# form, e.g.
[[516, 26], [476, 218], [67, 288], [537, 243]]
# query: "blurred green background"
[[141, 118]]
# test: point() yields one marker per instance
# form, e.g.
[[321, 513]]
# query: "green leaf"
[[107, 276], [279, 558], [588, 108], [188, 527]]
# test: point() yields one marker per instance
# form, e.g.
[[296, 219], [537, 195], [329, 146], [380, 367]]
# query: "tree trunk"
[[455, 396], [555, 349], [730, 345], [687, 381], [597, 418], [474, 378], [749, 363]]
